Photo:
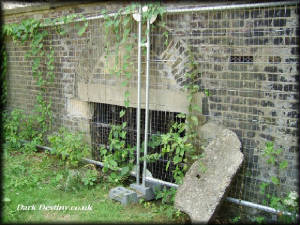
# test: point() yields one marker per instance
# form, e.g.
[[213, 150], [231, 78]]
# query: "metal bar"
[[195, 9], [233, 6], [257, 206], [87, 18], [147, 101], [138, 111]]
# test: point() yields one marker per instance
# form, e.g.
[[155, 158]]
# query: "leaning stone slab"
[[203, 189]]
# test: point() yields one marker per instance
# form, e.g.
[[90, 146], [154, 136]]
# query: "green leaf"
[[195, 120], [167, 166], [81, 30], [113, 163], [177, 159], [124, 83], [197, 108], [6, 199], [283, 164], [207, 92], [180, 115], [127, 94], [122, 113], [126, 103], [275, 180], [125, 170]]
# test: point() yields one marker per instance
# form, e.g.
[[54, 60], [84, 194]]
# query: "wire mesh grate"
[[160, 123]]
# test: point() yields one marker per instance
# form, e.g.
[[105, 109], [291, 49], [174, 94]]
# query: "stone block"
[[203, 190], [143, 192], [123, 195], [77, 108]]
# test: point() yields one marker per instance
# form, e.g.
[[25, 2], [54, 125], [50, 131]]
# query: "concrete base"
[[143, 192], [154, 186], [123, 195]]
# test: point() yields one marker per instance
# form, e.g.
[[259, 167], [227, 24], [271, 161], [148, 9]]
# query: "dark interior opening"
[[106, 115]]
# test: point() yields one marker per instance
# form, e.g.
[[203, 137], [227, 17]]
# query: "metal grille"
[[241, 59], [106, 115]]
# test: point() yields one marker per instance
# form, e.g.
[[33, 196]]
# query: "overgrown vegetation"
[[118, 157], [181, 137], [288, 203], [69, 146], [68, 176], [23, 132], [40, 180], [41, 54]]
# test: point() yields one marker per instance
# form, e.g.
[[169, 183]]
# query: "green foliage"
[[283, 204], [31, 30], [69, 146], [271, 153], [236, 219], [259, 219], [118, 158], [48, 188], [18, 127], [167, 195], [176, 145], [90, 178]]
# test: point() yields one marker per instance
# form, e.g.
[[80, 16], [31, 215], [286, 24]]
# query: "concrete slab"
[[203, 189]]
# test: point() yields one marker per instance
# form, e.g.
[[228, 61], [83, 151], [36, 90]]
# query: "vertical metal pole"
[[138, 120], [147, 102]]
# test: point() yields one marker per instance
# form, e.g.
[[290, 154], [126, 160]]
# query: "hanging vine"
[[34, 32]]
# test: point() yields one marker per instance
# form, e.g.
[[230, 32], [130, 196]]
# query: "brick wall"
[[247, 59]]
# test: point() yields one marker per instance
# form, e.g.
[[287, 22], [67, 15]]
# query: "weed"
[[69, 146]]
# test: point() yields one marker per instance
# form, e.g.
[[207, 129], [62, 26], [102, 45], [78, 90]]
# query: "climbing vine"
[[119, 36], [181, 138], [33, 31]]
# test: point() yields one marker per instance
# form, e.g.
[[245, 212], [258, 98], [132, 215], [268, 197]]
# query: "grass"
[[34, 179]]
